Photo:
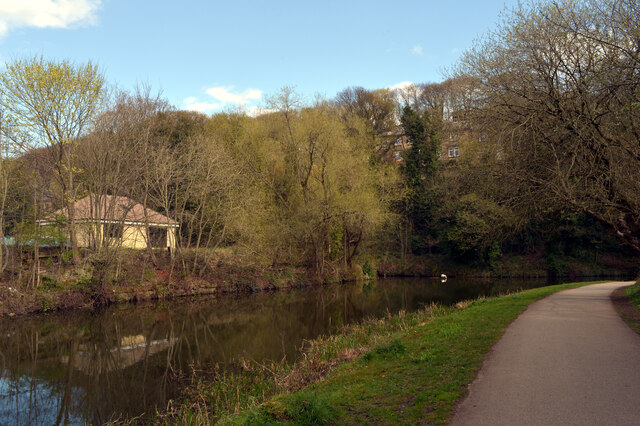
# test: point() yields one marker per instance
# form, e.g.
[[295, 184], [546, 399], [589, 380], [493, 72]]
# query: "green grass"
[[633, 292], [414, 375], [630, 312], [301, 408]]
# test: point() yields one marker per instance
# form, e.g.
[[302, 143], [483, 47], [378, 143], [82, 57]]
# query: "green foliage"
[[493, 253], [302, 408], [305, 184], [473, 225], [421, 159], [633, 292], [45, 301], [318, 195], [369, 270], [84, 279], [48, 283], [49, 99], [419, 168], [393, 349]]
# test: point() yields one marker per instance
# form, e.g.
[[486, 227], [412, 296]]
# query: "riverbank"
[[137, 276], [627, 303], [510, 266], [407, 368], [134, 276]]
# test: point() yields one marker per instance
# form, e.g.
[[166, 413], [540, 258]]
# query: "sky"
[[211, 56]]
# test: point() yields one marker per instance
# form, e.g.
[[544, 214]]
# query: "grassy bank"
[[406, 368], [133, 275], [633, 293], [627, 303]]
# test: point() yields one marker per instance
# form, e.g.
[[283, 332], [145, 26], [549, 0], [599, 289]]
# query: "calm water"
[[89, 367]]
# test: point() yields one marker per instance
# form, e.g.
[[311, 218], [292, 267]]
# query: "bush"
[[369, 270]]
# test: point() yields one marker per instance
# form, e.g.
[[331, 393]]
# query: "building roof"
[[111, 208]]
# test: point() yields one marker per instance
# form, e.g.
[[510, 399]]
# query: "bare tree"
[[558, 88]]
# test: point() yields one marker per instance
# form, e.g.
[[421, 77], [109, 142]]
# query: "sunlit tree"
[[52, 104]]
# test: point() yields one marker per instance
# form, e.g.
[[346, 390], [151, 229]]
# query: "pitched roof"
[[112, 208]]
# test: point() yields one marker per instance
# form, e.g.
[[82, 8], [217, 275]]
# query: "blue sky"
[[213, 55]]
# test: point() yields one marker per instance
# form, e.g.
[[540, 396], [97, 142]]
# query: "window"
[[453, 152], [453, 136]]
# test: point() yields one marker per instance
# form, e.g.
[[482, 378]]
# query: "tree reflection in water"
[[78, 367]]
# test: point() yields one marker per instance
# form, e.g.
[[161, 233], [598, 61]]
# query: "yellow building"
[[106, 220]]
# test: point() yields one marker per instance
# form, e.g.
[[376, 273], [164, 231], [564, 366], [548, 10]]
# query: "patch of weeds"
[[149, 274], [423, 357], [85, 279], [447, 396], [162, 290], [394, 349], [303, 408], [464, 304], [478, 302], [48, 283], [369, 270], [45, 302], [450, 330]]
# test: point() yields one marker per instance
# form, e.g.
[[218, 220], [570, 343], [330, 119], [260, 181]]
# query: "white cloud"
[[417, 50], [405, 91], [255, 111], [192, 104], [402, 86], [225, 95], [46, 13]]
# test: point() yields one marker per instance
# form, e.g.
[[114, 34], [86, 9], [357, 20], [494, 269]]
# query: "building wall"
[[133, 236], [171, 238], [88, 234]]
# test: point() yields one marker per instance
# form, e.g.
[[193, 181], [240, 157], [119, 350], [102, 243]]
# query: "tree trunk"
[[70, 199]]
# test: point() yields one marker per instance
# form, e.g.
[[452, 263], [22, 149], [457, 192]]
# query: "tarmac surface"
[[567, 360]]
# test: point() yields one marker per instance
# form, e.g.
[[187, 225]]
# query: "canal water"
[[90, 367]]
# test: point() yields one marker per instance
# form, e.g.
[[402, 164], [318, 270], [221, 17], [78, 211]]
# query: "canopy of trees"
[[544, 112], [558, 87]]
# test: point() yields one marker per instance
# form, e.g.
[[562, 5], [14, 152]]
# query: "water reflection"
[[79, 367]]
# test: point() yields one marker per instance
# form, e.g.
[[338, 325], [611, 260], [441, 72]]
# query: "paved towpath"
[[567, 360]]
